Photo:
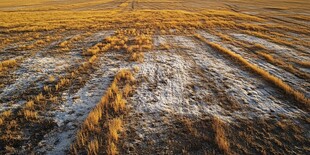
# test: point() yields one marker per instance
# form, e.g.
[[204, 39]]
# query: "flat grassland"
[[154, 77]]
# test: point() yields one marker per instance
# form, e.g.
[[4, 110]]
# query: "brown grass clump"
[[92, 51], [29, 105], [93, 147], [119, 103], [127, 90], [115, 126], [7, 63], [137, 56], [51, 78], [39, 97], [4, 115], [40, 42], [278, 82], [136, 69], [93, 119], [47, 89], [92, 59], [112, 149], [61, 83], [64, 44], [220, 137], [164, 46], [124, 74], [30, 115]]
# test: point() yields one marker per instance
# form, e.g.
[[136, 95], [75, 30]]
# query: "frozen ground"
[[75, 107], [194, 81], [182, 86]]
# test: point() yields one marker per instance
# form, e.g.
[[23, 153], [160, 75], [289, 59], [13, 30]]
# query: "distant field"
[[154, 77]]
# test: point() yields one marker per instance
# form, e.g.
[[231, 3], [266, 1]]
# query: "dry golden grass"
[[39, 97], [107, 111], [127, 90], [92, 59], [47, 89], [62, 83], [165, 46], [93, 119], [4, 115], [271, 38], [109, 19], [119, 103], [115, 126], [302, 63], [260, 50], [136, 69], [220, 137], [51, 78], [125, 74], [93, 147], [40, 42], [64, 45], [135, 39], [29, 105], [137, 56], [295, 29], [7, 63], [278, 82], [284, 65], [112, 149], [93, 50], [30, 115]]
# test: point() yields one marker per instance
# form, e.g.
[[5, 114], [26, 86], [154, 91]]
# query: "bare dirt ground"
[[155, 77]]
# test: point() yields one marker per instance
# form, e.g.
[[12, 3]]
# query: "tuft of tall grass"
[[30, 115], [115, 126]]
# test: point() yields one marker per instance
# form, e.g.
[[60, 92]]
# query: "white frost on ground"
[[33, 71], [294, 81], [166, 75], [72, 113], [278, 49], [37, 69], [242, 85], [163, 92]]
